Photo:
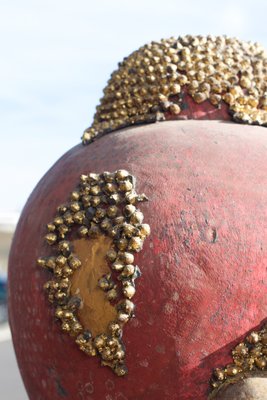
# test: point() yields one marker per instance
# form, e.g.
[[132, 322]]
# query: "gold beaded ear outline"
[[101, 204], [249, 358], [150, 82]]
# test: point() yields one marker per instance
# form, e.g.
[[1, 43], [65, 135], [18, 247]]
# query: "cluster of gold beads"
[[102, 204], [152, 80], [249, 356]]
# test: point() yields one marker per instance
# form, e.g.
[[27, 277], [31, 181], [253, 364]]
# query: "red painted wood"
[[204, 266]]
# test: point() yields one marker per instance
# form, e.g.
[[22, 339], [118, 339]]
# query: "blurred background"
[[56, 57]]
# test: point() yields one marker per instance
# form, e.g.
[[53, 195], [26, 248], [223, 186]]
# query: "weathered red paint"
[[204, 111], [204, 266]]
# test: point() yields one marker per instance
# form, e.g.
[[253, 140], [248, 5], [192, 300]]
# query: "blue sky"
[[56, 57]]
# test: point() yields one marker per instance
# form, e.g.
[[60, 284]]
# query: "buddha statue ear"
[[252, 388], [246, 377]]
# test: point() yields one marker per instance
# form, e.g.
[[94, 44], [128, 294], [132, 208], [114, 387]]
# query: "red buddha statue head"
[[139, 265]]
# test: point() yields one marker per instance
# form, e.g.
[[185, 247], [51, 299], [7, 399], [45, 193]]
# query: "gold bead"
[[95, 190], [145, 230], [241, 100], [117, 266], [199, 97], [64, 284], [79, 217], [59, 312], [108, 176], [76, 328], [86, 137], [255, 352], [219, 374], [123, 317], [231, 370], [126, 257], [261, 362], [66, 327], [131, 197], [253, 337], [62, 230], [46, 286], [67, 314], [105, 283], [114, 328], [51, 227], [175, 88], [215, 99], [100, 213], [112, 294], [61, 261], [128, 290], [75, 195], [100, 341], [129, 230], [135, 244], [64, 247], [115, 199], [111, 187], [51, 238], [41, 262], [75, 206], [137, 218], [122, 244], [94, 231], [112, 211], [51, 262], [200, 76], [86, 200], [93, 178], [121, 370], [264, 339], [111, 255], [120, 354], [62, 209], [125, 186], [253, 102], [129, 209], [245, 82], [114, 232], [74, 262], [83, 231], [68, 218], [60, 295], [175, 109], [241, 350], [83, 178], [204, 87], [67, 271], [127, 271], [127, 306], [229, 98]]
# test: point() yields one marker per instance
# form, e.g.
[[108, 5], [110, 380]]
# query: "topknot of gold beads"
[[152, 79]]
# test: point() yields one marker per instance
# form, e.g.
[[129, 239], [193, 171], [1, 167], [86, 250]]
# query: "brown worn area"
[[96, 312], [249, 389]]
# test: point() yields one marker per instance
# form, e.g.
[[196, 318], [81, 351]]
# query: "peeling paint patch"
[[144, 363], [168, 308], [160, 349]]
